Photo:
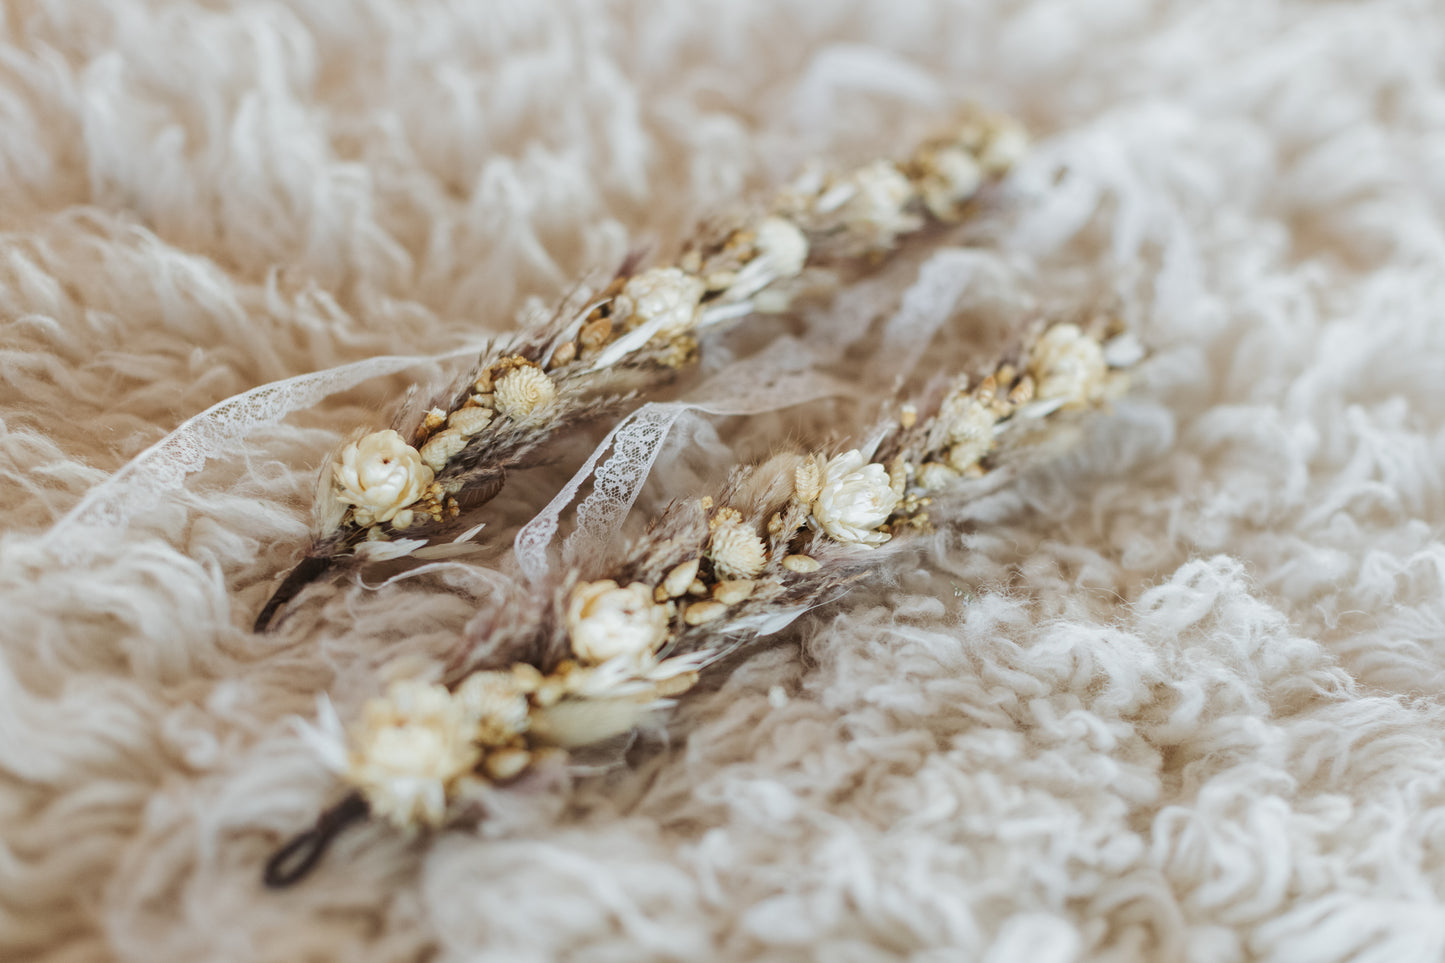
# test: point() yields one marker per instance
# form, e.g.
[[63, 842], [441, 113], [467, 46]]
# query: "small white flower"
[[935, 475], [663, 300], [523, 390], [875, 210], [951, 176], [379, 475], [782, 247], [856, 499], [970, 426], [605, 621], [411, 746], [1067, 365], [1007, 144], [735, 549], [498, 704]]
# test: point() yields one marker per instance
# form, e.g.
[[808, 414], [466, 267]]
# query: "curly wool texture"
[[1173, 696]]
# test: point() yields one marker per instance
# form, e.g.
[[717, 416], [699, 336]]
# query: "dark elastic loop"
[[307, 571], [297, 858]]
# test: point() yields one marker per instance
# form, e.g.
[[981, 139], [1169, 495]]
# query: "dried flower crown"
[[710, 575], [413, 479]]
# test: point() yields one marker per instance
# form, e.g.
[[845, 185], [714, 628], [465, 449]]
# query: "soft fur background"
[[1173, 696]]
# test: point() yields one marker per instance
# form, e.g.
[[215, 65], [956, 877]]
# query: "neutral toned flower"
[[379, 475], [605, 621], [440, 448], [663, 299], [950, 176], [735, 549], [700, 613], [876, 207], [802, 564], [733, 591], [471, 420], [1067, 365], [808, 479], [410, 747], [1006, 145], [680, 579], [782, 246], [523, 390], [934, 475], [970, 425], [856, 499], [498, 703], [506, 764]]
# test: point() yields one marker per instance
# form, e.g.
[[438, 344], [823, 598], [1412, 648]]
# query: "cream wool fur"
[[1174, 695]]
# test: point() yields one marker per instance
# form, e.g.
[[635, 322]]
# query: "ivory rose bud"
[[379, 475], [606, 621], [855, 501]]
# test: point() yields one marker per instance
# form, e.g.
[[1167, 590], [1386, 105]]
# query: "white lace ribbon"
[[163, 467], [635, 444]]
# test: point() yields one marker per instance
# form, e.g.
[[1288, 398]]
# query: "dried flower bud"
[[876, 209], [733, 591], [802, 564], [605, 621], [679, 579], [950, 176], [1007, 143], [665, 299], [470, 421], [936, 475], [856, 499], [783, 247], [735, 549], [504, 764], [565, 353], [1067, 365], [595, 334], [497, 702], [699, 613], [440, 447], [523, 390], [435, 418], [808, 480], [379, 475], [970, 430]]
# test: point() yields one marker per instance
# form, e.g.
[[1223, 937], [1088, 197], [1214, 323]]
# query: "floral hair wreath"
[[392, 492], [711, 574]]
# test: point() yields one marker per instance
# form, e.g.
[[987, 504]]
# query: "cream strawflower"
[[605, 621], [782, 246], [379, 475], [497, 703], [951, 176], [970, 426], [411, 745], [856, 499], [1067, 365], [523, 390], [664, 300], [876, 209]]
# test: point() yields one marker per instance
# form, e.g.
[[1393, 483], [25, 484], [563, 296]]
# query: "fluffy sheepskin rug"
[[1172, 695]]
